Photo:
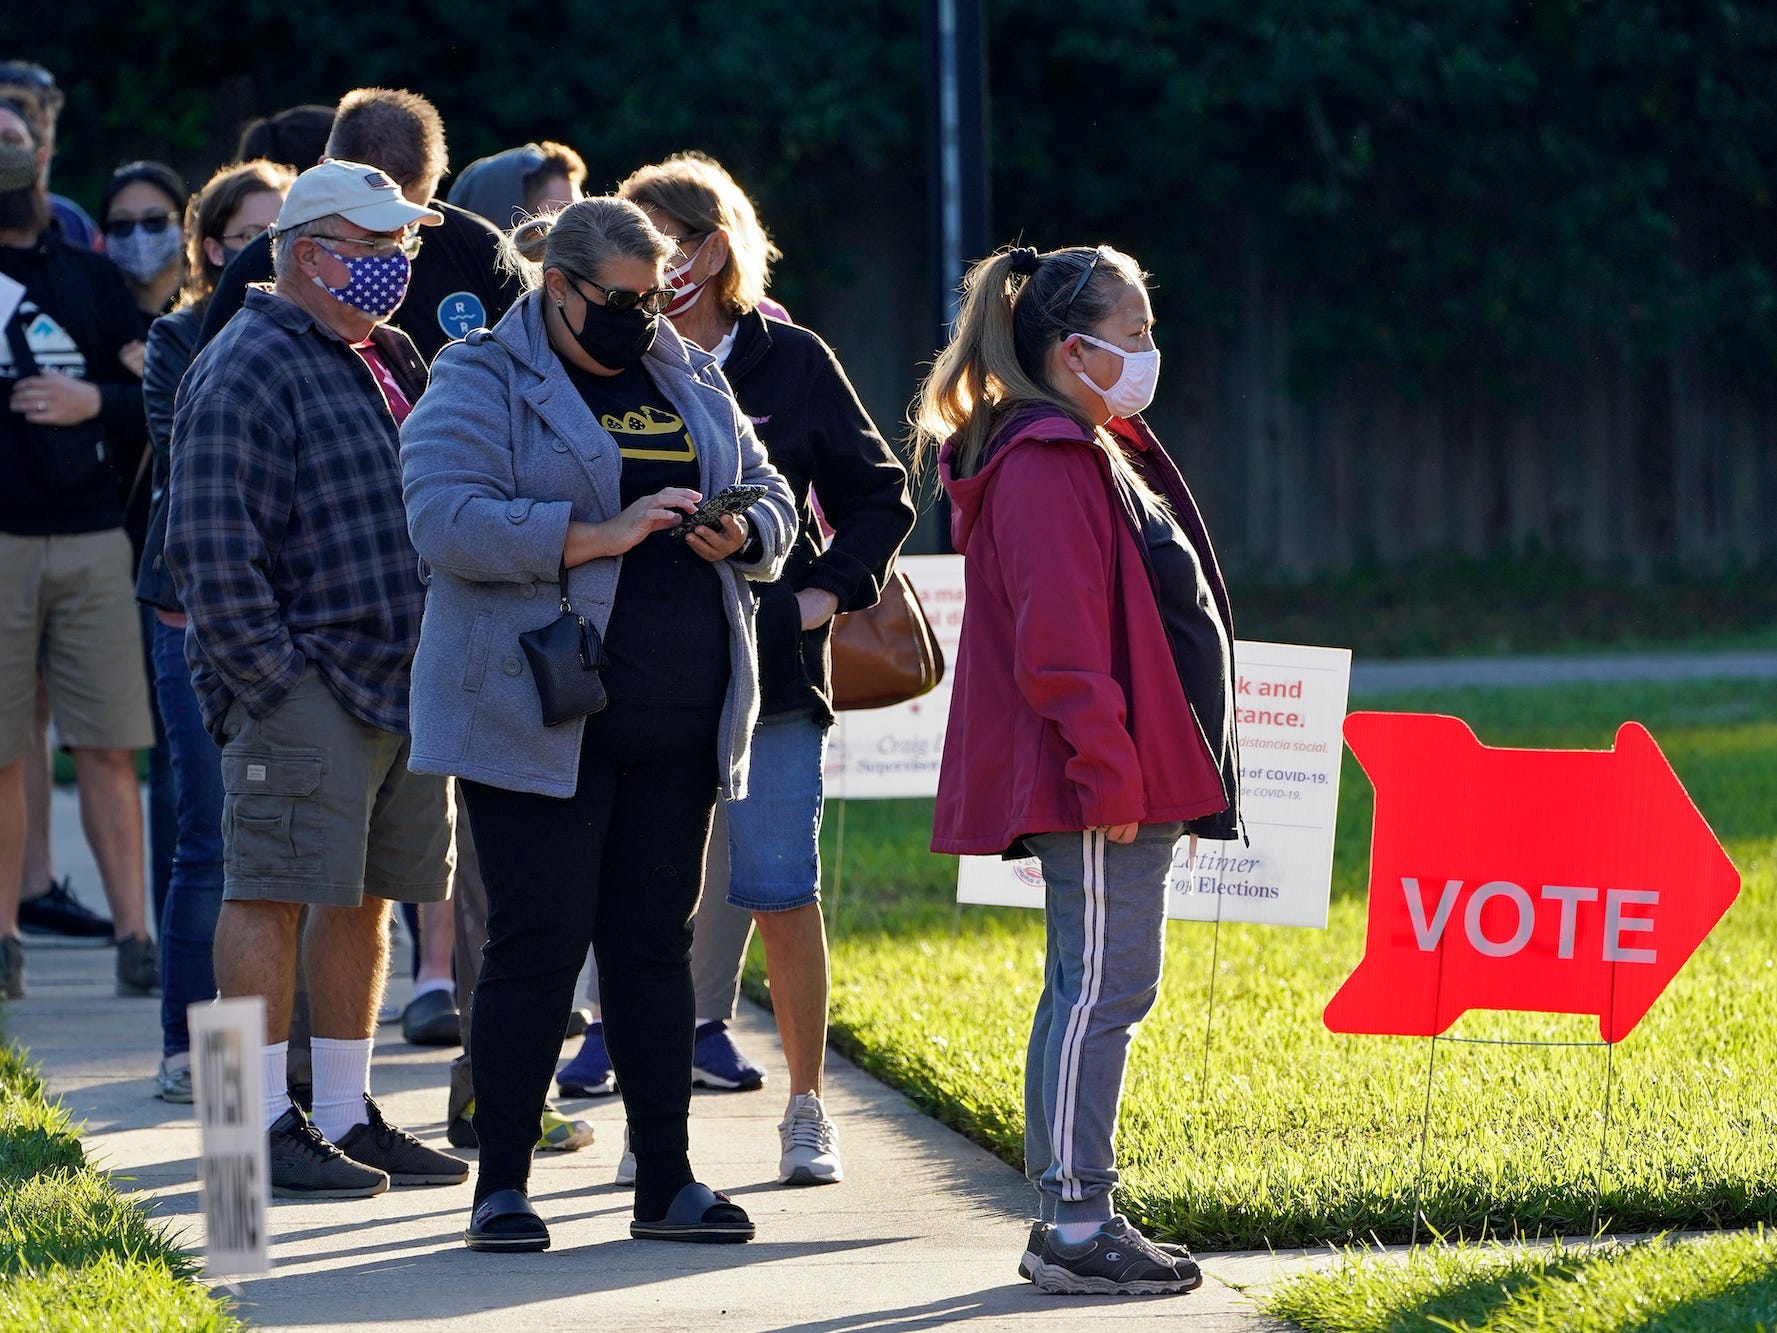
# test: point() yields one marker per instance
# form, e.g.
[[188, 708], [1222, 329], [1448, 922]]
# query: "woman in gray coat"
[[575, 436]]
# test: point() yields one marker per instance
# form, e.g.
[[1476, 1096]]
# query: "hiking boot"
[[1116, 1260], [589, 1073], [810, 1149], [56, 911], [305, 1166], [378, 1144], [1033, 1249], [173, 1084], [716, 1062], [12, 968], [138, 966]]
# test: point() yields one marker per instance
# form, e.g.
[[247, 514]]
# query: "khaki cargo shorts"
[[320, 808], [68, 607]]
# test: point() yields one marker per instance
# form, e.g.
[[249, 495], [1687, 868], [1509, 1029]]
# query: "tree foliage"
[[1438, 185]]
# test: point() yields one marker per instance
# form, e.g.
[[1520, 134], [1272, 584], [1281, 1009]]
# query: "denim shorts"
[[774, 836]]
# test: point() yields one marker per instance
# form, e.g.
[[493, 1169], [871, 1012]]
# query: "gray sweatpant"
[[1106, 927]]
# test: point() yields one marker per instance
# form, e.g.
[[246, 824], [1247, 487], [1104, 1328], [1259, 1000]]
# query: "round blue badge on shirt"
[[461, 311]]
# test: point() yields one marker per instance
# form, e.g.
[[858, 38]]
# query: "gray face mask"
[[142, 254], [18, 167]]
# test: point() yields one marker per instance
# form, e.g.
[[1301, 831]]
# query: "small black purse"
[[565, 657]]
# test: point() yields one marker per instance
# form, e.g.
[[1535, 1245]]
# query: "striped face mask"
[[686, 292]]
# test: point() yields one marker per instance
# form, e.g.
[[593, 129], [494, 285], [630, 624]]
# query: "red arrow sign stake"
[[1559, 881]]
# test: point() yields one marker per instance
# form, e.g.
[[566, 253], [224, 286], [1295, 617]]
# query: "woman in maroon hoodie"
[[1092, 721]]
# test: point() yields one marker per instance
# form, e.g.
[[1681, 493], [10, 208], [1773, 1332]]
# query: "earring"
[[559, 305]]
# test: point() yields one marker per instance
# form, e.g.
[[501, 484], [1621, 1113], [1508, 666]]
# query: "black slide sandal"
[[505, 1220], [699, 1215]]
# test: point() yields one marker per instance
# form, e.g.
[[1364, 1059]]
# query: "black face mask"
[[616, 339]]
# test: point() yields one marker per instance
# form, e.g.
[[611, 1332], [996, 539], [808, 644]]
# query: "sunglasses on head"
[[653, 301], [119, 228], [1080, 286]]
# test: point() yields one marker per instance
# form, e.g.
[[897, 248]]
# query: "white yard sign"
[[229, 1092], [1292, 706]]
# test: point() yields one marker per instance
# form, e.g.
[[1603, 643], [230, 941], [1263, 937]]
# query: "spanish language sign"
[[1289, 701], [229, 1092], [1556, 881]]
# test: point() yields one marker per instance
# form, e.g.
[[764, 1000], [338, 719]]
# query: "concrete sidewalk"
[[924, 1232]]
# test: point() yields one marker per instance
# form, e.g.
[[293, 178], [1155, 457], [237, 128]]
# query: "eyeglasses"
[[121, 228], [686, 239], [244, 235], [653, 301], [379, 247], [1080, 286]]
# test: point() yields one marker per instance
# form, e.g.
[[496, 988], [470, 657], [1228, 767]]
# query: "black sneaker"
[[1116, 1260], [1033, 1249], [56, 911], [379, 1144], [305, 1166]]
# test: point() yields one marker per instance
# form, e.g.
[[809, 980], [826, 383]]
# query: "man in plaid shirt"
[[287, 541]]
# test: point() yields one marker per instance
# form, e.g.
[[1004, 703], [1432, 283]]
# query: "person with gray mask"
[[143, 210], [74, 419]]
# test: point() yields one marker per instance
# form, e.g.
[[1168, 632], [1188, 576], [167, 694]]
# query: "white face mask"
[[1134, 388]]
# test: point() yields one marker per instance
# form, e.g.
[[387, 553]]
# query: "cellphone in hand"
[[728, 500]]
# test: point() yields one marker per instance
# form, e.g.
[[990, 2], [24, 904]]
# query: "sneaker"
[[563, 1134], [432, 1019], [1116, 1260], [56, 911], [173, 1084], [1033, 1249], [12, 968], [589, 1073], [138, 966], [305, 1166], [578, 1021], [716, 1062], [626, 1164], [377, 1143], [810, 1152]]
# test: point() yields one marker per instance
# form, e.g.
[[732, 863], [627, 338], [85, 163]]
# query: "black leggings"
[[619, 864]]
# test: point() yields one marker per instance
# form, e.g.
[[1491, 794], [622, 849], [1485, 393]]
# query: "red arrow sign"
[[1560, 881]]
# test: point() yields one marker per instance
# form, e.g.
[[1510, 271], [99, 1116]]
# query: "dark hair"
[[295, 137], [157, 174], [393, 129], [208, 213]]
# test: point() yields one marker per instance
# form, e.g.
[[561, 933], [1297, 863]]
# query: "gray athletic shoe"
[[12, 968], [810, 1145], [1033, 1248], [1116, 1260], [407, 1161], [305, 1166], [173, 1085]]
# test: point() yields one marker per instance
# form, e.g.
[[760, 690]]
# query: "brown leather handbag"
[[885, 654]]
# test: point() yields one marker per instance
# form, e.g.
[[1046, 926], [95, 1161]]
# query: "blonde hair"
[[208, 211], [584, 236], [697, 190], [997, 358]]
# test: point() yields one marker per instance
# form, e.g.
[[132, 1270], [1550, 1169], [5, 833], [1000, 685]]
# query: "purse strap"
[[562, 579]]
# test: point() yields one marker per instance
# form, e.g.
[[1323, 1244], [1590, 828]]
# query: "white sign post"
[[226, 1040]]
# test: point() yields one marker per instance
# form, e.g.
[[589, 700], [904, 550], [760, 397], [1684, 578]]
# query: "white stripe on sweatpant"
[[1079, 1019]]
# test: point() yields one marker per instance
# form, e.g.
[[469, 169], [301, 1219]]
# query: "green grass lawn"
[[1297, 1136], [1708, 1284], [74, 1255]]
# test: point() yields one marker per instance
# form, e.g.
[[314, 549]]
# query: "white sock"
[[427, 987], [342, 1079], [276, 1078], [1075, 1233]]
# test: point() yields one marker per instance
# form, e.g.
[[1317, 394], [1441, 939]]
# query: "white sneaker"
[[626, 1164], [810, 1149]]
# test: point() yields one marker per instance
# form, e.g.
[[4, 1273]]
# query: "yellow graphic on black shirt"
[[650, 423]]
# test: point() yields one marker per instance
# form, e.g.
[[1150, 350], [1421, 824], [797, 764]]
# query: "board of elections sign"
[[1291, 703]]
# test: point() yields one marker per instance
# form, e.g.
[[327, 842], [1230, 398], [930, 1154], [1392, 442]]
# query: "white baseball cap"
[[358, 193]]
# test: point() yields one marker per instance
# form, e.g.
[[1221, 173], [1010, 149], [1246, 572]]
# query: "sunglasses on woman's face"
[[118, 228], [653, 301]]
